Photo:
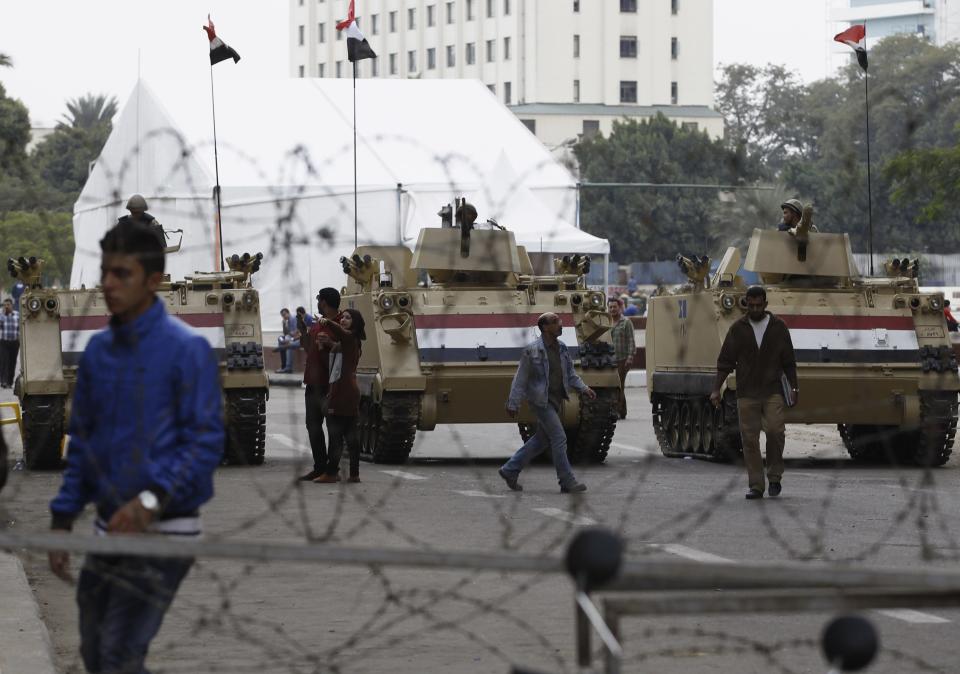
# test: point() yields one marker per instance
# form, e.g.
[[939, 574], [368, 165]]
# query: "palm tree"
[[88, 112], [6, 61]]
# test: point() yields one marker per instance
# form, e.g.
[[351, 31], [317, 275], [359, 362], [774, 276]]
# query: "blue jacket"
[[147, 414], [532, 380]]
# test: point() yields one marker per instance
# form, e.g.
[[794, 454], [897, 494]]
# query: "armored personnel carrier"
[[873, 353], [56, 325], [445, 329]]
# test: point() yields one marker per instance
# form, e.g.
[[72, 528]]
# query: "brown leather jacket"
[[758, 369]]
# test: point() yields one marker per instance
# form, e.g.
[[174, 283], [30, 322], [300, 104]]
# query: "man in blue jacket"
[[146, 435], [543, 378]]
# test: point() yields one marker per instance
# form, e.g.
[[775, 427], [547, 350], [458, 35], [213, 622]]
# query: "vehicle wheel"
[[43, 428], [695, 423], [246, 426], [388, 428], [707, 428], [672, 425], [683, 427]]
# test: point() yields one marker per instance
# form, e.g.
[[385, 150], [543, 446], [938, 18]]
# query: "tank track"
[[590, 442], [43, 429], [246, 426], [929, 445], [688, 425], [388, 428]]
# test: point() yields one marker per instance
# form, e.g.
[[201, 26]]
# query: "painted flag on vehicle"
[[219, 50], [357, 46], [856, 38]]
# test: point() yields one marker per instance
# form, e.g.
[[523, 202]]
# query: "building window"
[[300, 35], [506, 49], [576, 6], [506, 93], [506, 7], [469, 10], [628, 6], [690, 126], [450, 12], [431, 58], [374, 67], [393, 64], [301, 71], [490, 8], [491, 51], [411, 18], [674, 48], [471, 53], [673, 93], [531, 124], [431, 15], [339, 68], [673, 6], [393, 22], [591, 127], [576, 91], [320, 69], [451, 56], [576, 46], [411, 61], [374, 24], [628, 91], [628, 46], [321, 33]]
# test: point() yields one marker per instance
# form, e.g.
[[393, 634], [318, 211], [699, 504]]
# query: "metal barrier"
[[17, 417]]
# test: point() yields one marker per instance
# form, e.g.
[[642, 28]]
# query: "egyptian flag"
[[855, 37], [219, 50], [357, 46]]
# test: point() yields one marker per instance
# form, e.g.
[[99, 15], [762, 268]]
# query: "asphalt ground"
[[235, 616]]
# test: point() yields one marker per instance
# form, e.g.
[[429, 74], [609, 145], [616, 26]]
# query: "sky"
[[63, 49]]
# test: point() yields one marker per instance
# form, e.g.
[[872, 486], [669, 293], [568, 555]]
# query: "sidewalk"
[[635, 379], [24, 642]]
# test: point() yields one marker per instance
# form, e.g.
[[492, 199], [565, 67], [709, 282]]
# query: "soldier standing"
[[758, 347], [624, 347], [137, 206]]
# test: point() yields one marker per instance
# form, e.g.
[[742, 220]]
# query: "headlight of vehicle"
[[33, 304], [248, 298], [403, 301], [51, 304], [386, 302], [935, 303], [727, 302], [597, 300]]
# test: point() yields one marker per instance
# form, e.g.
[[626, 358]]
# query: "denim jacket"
[[532, 380]]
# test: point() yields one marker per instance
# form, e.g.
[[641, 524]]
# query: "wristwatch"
[[149, 501]]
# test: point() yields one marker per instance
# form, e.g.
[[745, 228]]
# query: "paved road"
[[283, 617]]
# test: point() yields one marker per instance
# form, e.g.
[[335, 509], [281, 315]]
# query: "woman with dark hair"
[[343, 401]]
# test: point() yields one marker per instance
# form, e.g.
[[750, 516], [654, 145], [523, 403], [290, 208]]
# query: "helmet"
[[794, 205], [136, 203]]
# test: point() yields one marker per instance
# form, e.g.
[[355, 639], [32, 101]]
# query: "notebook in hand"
[[788, 396]]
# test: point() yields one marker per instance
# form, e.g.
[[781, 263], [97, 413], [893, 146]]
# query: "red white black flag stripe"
[[856, 38], [219, 50], [357, 46]]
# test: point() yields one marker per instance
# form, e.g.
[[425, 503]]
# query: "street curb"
[[295, 380], [24, 641]]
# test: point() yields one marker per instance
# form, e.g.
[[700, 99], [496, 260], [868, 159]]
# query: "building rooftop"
[[599, 109]]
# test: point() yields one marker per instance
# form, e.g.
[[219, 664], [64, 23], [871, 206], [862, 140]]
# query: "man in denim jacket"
[[543, 378]]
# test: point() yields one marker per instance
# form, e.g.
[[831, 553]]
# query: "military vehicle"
[[873, 353], [445, 328], [56, 325]]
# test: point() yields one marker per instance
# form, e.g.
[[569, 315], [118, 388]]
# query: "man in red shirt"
[[316, 376]]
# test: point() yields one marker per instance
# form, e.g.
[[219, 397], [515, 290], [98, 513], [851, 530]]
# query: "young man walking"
[[624, 346], [146, 435], [316, 376], [543, 378], [758, 347]]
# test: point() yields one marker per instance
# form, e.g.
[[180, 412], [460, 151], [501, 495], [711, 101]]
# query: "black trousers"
[[343, 430], [9, 348], [313, 401]]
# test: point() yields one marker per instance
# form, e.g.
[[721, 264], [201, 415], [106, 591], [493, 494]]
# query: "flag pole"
[[355, 154], [216, 171], [866, 96]]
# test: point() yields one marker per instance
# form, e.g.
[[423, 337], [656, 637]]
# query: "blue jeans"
[[549, 429], [122, 602]]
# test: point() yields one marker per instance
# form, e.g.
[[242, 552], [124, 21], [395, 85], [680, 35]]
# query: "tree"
[[930, 179], [90, 112], [14, 136]]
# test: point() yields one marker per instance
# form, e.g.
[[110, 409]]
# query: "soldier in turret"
[[792, 210], [137, 206]]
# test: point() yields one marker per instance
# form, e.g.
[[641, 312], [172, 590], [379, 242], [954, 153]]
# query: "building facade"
[[936, 20], [565, 67]]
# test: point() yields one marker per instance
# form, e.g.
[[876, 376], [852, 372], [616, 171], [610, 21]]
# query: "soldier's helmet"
[[136, 203], [794, 205]]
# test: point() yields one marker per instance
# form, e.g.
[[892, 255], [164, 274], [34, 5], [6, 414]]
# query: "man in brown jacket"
[[759, 348]]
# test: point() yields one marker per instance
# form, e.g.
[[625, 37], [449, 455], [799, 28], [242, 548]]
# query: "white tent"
[[286, 170]]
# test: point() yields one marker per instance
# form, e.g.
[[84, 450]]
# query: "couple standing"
[[332, 394]]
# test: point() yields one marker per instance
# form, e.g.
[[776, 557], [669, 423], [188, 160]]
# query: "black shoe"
[[511, 480], [573, 488], [312, 475], [754, 494], [774, 489]]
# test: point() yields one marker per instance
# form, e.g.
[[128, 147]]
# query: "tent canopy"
[[286, 170]]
